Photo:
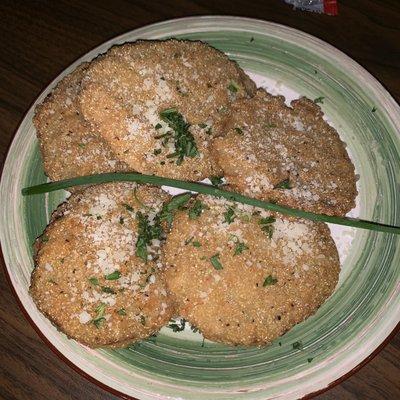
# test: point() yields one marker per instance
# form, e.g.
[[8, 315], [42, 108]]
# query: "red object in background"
[[330, 7]]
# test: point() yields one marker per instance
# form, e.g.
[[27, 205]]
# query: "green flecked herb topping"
[[239, 248], [107, 289], [143, 320], [94, 281], [216, 263], [185, 144], [297, 345], [196, 244], [229, 215], [267, 226], [239, 131], [113, 276], [269, 280], [233, 87], [176, 203], [285, 184], [128, 207], [319, 100], [121, 311], [44, 238], [99, 318], [146, 233], [196, 210], [216, 180]]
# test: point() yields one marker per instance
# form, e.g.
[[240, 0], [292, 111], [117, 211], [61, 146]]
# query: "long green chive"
[[208, 190]]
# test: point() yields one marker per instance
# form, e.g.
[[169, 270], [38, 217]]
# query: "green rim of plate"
[[359, 316]]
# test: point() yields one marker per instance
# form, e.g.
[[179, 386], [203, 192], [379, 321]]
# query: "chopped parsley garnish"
[[203, 126], [177, 326], [268, 229], [215, 262], [229, 215], [185, 144], [233, 87], [270, 125], [297, 345], [216, 180], [121, 220], [240, 247], [121, 311], [98, 217], [310, 359], [239, 130], [99, 318], [158, 126], [267, 220], [44, 239], [269, 280], [285, 184], [176, 203], [373, 109], [94, 281], [143, 320], [156, 152], [113, 276], [81, 145], [196, 244], [196, 210], [251, 39], [319, 100], [128, 207], [107, 289], [146, 233]]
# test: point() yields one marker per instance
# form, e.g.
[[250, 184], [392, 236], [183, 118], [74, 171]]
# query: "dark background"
[[38, 39]]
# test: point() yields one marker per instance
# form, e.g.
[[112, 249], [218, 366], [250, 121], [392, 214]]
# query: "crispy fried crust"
[[265, 143], [125, 90], [90, 237], [239, 302], [68, 144]]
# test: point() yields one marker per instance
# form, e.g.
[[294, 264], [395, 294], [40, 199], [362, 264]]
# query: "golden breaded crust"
[[87, 279], [126, 89], [68, 144], [272, 144], [251, 280]]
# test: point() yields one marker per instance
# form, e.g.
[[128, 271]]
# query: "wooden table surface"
[[41, 38]]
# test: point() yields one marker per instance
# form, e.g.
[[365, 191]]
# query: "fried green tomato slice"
[[156, 103], [90, 279], [68, 144], [289, 155], [245, 277]]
